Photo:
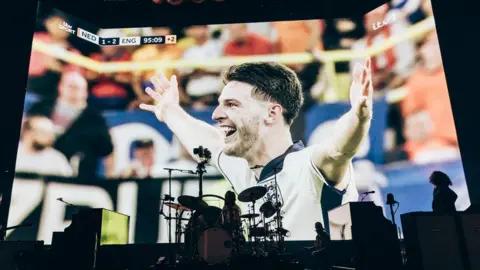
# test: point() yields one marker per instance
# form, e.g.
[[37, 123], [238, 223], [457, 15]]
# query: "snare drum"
[[215, 245]]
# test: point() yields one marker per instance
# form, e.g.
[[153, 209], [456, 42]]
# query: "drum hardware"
[[205, 155], [193, 203], [205, 238], [278, 209], [169, 198], [250, 216], [177, 206], [252, 195], [268, 209]]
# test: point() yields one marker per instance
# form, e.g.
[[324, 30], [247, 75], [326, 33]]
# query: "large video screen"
[[317, 113]]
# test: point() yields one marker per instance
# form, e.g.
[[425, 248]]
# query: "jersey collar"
[[276, 165]]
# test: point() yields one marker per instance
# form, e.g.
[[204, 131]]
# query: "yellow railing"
[[329, 58]]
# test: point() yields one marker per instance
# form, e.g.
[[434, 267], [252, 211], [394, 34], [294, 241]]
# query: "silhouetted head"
[[318, 226], [440, 179], [230, 198]]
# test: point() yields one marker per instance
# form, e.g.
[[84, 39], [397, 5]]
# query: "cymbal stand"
[[255, 248], [171, 259], [278, 206], [178, 227], [265, 235]]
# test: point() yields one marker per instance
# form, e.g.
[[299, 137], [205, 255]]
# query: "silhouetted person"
[[231, 218], [443, 197], [320, 248]]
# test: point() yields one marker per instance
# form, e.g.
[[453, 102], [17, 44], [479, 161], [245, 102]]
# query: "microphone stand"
[[200, 171], [393, 215], [3, 230], [206, 155]]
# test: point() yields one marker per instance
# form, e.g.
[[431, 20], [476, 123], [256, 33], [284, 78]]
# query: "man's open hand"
[[165, 94], [361, 91]]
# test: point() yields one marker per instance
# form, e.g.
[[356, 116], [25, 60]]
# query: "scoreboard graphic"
[[125, 41]]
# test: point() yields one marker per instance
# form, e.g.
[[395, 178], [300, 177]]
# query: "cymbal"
[[177, 206], [259, 232], [191, 202], [268, 209], [252, 194], [250, 216]]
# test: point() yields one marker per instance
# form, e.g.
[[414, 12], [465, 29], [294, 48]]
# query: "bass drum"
[[215, 245], [200, 221]]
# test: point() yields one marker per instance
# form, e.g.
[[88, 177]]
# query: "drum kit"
[[211, 238]]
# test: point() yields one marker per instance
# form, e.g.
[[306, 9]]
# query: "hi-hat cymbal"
[[191, 202], [250, 216], [177, 206], [252, 194]]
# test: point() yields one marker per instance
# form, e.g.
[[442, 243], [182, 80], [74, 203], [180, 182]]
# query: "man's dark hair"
[[143, 143], [271, 82], [440, 179]]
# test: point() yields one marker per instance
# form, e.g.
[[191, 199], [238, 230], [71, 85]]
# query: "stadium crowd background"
[[64, 132]]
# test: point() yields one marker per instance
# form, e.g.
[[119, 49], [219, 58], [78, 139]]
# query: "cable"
[[398, 206]]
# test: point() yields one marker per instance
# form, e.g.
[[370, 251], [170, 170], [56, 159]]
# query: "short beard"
[[247, 136], [39, 146]]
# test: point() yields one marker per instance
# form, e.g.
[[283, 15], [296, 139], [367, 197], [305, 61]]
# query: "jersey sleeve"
[[318, 180]]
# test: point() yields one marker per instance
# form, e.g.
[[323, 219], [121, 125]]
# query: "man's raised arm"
[[190, 131], [333, 158]]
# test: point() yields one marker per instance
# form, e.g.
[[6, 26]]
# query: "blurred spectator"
[[202, 85], [111, 90], [308, 75], [409, 10], [263, 29], [390, 68], [299, 36], [35, 153], [44, 71], [429, 125], [82, 133], [163, 52], [243, 43], [143, 160], [339, 34]]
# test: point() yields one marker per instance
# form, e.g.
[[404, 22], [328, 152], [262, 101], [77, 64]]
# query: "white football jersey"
[[304, 193]]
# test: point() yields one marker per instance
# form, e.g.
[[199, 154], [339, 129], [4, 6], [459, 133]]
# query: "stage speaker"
[[21, 255], [470, 227], [432, 242]]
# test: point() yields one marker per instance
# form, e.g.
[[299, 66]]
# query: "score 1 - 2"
[[109, 41]]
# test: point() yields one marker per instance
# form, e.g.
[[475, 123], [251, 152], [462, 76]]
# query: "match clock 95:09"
[[170, 39]]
